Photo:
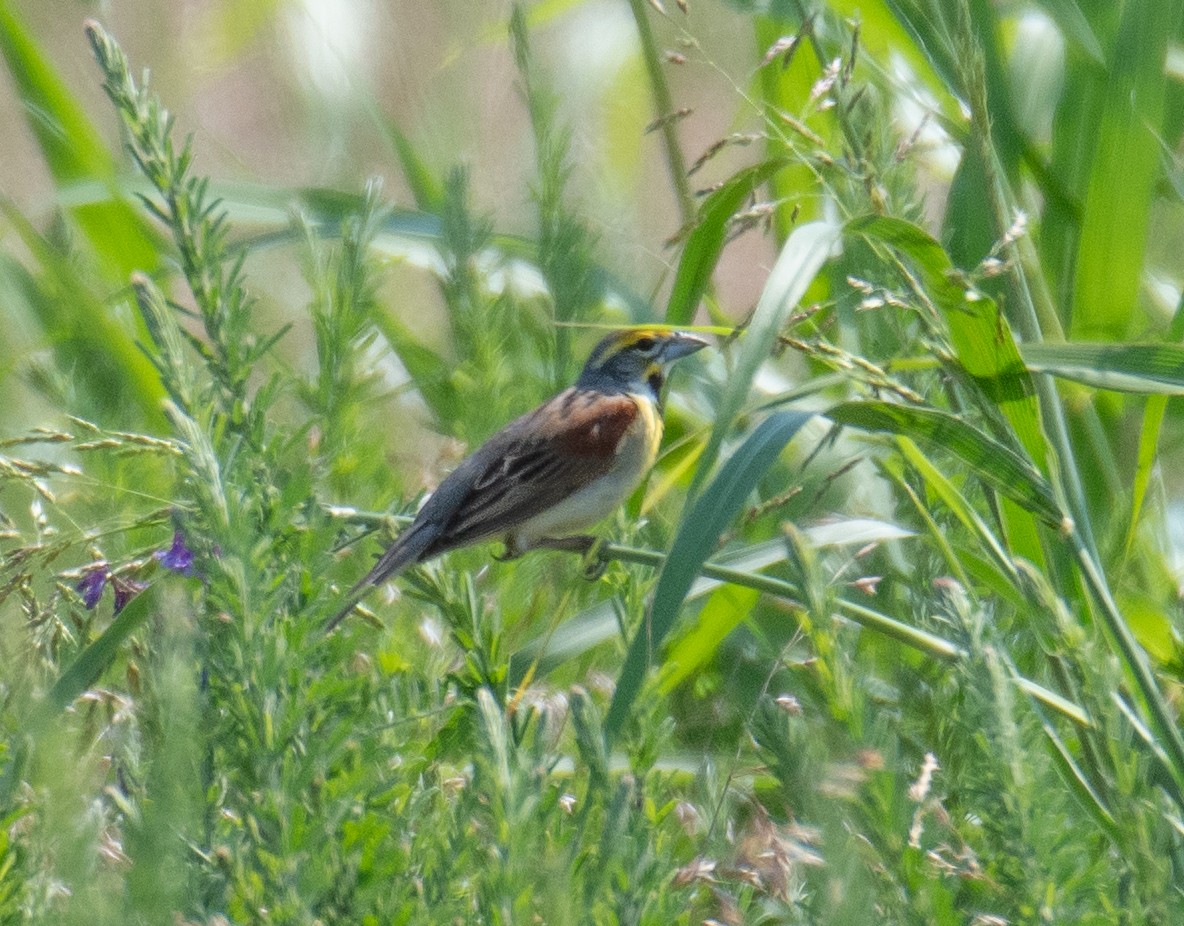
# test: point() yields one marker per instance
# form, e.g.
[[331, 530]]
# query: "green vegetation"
[[891, 635]]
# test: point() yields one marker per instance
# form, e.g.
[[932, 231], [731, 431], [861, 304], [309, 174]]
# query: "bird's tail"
[[405, 551]]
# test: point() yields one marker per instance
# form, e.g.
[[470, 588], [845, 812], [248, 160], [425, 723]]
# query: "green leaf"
[[1150, 625], [1124, 173], [704, 245], [799, 262], [73, 151], [1079, 784], [980, 335], [1153, 415], [90, 346], [1001, 572], [697, 537], [994, 463], [70, 144], [426, 188], [1142, 368], [94, 660], [724, 611], [431, 373]]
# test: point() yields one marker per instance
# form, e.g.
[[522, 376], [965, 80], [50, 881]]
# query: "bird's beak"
[[679, 345]]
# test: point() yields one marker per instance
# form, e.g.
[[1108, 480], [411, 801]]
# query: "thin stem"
[[1032, 317], [913, 637], [664, 104], [1029, 317], [1135, 661]]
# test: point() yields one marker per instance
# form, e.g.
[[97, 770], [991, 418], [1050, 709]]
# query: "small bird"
[[554, 471]]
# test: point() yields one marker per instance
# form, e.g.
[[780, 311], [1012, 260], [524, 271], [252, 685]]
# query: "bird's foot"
[[508, 553], [595, 562]]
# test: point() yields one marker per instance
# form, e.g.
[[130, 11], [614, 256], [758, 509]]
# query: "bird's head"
[[637, 359]]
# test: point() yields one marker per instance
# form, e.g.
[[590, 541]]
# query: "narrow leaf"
[[994, 463], [431, 373], [696, 538], [701, 252], [1123, 175], [1068, 15], [723, 612], [979, 333], [73, 150], [93, 661], [1142, 368], [799, 262], [427, 189]]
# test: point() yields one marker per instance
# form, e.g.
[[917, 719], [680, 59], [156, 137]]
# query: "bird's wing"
[[534, 463]]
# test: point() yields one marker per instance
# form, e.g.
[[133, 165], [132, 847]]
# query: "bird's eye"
[[645, 345]]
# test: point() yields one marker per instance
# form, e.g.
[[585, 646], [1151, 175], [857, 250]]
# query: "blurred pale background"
[[293, 94]]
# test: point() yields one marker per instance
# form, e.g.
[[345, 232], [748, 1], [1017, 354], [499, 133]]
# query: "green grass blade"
[[799, 262], [994, 463], [1076, 28], [1053, 701], [93, 661], [705, 243], [1163, 721], [425, 187], [1141, 368], [89, 345], [1153, 416], [1123, 177], [1080, 786], [73, 150], [941, 486], [70, 144], [725, 609], [696, 538], [980, 335], [431, 373]]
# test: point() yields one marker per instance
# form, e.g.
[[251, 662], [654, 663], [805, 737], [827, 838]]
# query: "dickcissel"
[[556, 470]]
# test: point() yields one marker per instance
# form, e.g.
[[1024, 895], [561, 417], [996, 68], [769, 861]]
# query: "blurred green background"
[[286, 96], [939, 679]]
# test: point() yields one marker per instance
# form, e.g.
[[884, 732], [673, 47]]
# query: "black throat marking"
[[656, 380]]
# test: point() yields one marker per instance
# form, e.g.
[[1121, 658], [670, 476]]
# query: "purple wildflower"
[[178, 557], [125, 591], [91, 586]]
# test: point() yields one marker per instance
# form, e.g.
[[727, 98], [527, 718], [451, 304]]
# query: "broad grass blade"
[[994, 463], [696, 539]]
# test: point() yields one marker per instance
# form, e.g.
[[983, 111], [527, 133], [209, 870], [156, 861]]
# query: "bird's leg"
[[595, 562]]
